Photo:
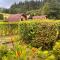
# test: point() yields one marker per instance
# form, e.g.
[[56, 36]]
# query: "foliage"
[[30, 30], [18, 53], [46, 55], [1, 10], [25, 52], [36, 32], [39, 33], [25, 6], [56, 50], [51, 9], [58, 24], [8, 29], [34, 12], [1, 17], [3, 51], [52, 57]]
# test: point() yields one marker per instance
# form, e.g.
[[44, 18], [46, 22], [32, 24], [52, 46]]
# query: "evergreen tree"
[[51, 9]]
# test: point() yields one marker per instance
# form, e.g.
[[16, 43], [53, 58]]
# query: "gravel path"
[[6, 40]]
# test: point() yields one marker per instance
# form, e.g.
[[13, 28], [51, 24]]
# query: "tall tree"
[[25, 6], [51, 9]]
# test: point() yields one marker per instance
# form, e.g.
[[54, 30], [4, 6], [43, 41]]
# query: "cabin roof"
[[42, 16]]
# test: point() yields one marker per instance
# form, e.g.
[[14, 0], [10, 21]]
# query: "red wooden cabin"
[[17, 17], [39, 17]]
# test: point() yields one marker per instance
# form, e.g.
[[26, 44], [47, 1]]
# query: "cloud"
[[8, 3]]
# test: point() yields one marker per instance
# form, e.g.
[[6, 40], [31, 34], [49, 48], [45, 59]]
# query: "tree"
[[25, 6], [1, 10], [51, 9]]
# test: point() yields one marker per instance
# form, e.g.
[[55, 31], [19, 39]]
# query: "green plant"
[[52, 57], [56, 50], [3, 51], [39, 33], [58, 24], [1, 17], [45, 55], [8, 29]]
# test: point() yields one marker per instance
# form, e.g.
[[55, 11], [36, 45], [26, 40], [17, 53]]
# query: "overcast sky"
[[8, 3]]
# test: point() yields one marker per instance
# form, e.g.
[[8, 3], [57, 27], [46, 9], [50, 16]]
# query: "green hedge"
[[7, 29], [1, 17], [39, 33], [58, 24]]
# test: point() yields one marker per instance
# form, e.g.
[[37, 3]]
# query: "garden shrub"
[[3, 29], [8, 29], [56, 50], [46, 55], [52, 57], [39, 33], [13, 29], [58, 24], [3, 51], [1, 17]]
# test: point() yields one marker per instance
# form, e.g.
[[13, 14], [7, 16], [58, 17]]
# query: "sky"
[[8, 3]]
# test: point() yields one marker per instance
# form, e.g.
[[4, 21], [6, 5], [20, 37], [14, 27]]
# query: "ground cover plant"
[[26, 52]]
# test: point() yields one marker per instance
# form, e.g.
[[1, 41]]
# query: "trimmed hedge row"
[[39, 33], [1, 17]]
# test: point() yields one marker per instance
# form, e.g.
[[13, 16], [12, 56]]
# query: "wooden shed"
[[39, 17]]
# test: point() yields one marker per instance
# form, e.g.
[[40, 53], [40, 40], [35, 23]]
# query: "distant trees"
[[25, 6], [51, 9], [1, 10], [1, 17], [6, 11]]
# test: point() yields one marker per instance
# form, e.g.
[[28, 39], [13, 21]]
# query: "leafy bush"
[[3, 51], [56, 50], [52, 57], [46, 55], [39, 33], [58, 24], [13, 29], [1, 17], [8, 29]]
